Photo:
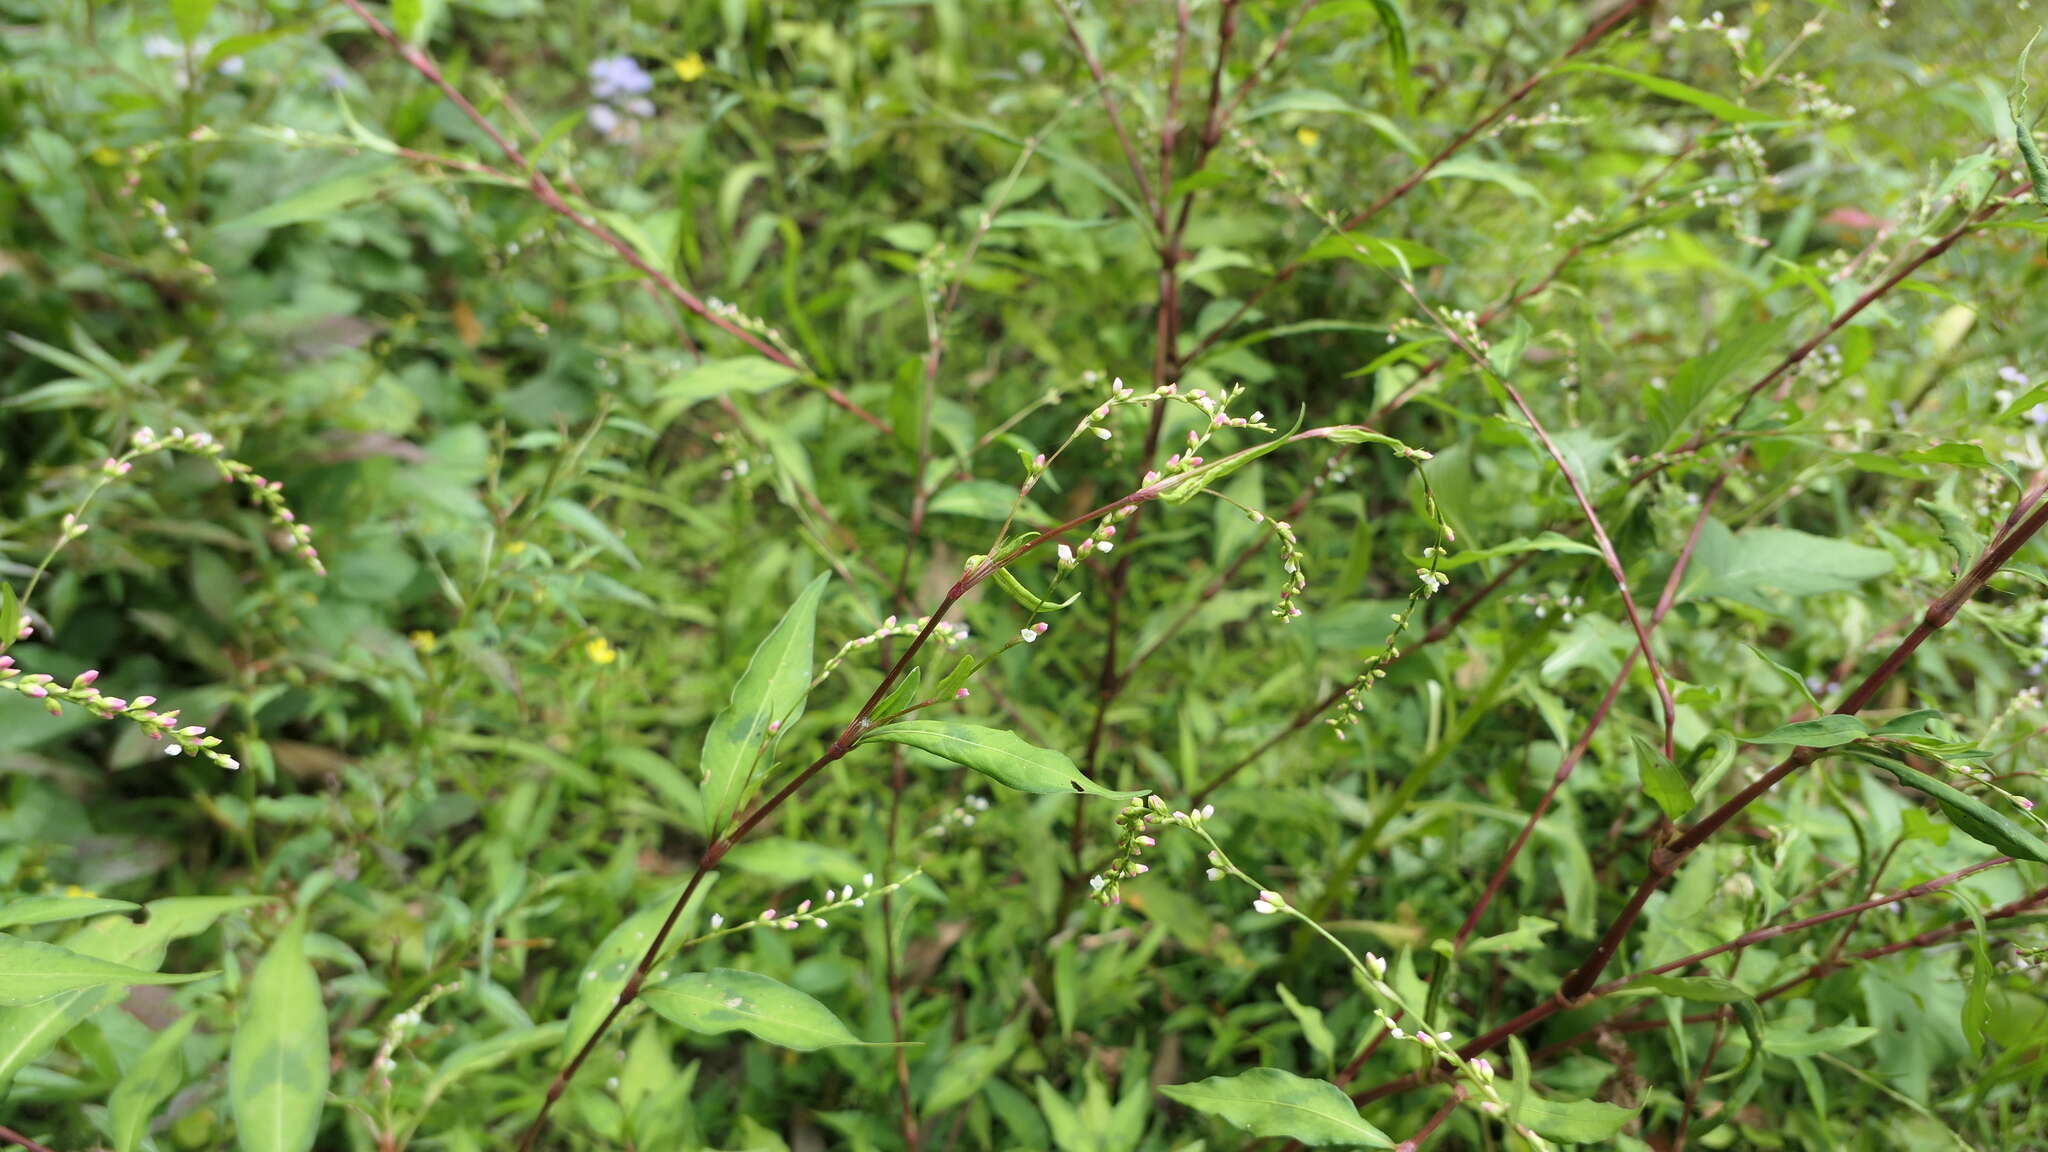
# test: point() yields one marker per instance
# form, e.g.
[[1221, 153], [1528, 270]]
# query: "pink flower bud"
[[86, 677], [962, 694]]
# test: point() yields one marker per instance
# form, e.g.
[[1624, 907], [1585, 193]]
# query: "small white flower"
[[717, 921]]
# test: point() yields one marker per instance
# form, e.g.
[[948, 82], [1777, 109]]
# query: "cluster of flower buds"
[[812, 912], [963, 815], [268, 493], [1137, 821], [401, 1028], [945, 631], [1102, 540], [186, 739]]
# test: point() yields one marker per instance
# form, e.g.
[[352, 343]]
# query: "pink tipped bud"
[[962, 694], [86, 677], [144, 701], [1040, 627], [775, 726], [2023, 802], [1038, 461], [35, 690]]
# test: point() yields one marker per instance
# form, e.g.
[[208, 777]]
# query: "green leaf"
[[1527, 934], [28, 1032], [1195, 481], [1506, 356], [32, 972], [1269, 1102], [1790, 677], [1718, 106], [1313, 1028], [1978, 820], [317, 202], [10, 617], [1702, 989], [1542, 542], [966, 1069], [1374, 251], [727, 1000], [156, 1074], [714, 378], [415, 19], [740, 745], [190, 16], [996, 754], [1490, 172], [1662, 782], [619, 953], [1762, 564], [277, 1064], [2023, 133], [1571, 1122], [53, 909], [1829, 731], [588, 525]]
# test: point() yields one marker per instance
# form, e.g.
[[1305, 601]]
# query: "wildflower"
[[2023, 802], [424, 641], [689, 67], [618, 76], [1269, 902], [1307, 137], [604, 119], [601, 651]]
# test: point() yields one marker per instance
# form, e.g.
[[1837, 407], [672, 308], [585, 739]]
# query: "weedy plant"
[[1538, 503]]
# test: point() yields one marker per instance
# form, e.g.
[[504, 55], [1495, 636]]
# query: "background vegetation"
[[630, 364]]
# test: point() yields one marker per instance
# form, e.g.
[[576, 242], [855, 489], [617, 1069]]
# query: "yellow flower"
[[1308, 137], [690, 68], [424, 641], [74, 892], [601, 651], [515, 547], [105, 157]]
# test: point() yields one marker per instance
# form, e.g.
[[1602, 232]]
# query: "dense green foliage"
[[1387, 377]]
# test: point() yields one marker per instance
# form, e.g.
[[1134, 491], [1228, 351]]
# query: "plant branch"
[[545, 191]]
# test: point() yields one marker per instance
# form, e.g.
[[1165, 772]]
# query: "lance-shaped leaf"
[[1978, 820], [277, 1065], [28, 1032], [996, 754], [1830, 731], [51, 909], [619, 953], [1269, 1102], [729, 1000], [157, 1073], [32, 972], [767, 700]]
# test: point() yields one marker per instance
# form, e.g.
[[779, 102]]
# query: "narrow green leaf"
[[998, 755], [1313, 1028], [1827, 731], [1718, 106], [1506, 356], [902, 695], [2023, 132], [277, 1064], [1978, 820], [157, 1073], [32, 972], [53, 909], [727, 1000], [28, 1032], [1542, 542], [190, 17], [619, 953], [739, 748], [1194, 482], [1374, 251], [715, 378], [1794, 679], [1269, 1102], [317, 202], [10, 615], [1569, 1121], [1662, 782]]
